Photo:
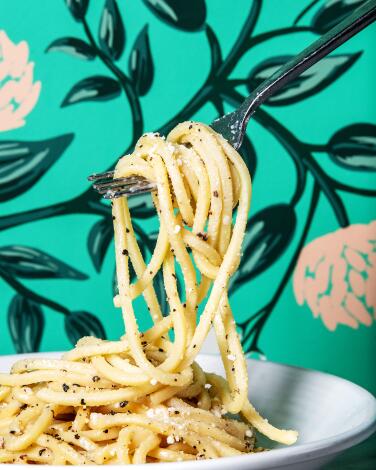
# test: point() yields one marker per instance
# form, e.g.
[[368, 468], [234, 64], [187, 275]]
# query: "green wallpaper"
[[311, 149]]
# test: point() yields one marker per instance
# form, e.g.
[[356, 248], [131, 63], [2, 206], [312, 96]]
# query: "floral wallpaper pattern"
[[106, 60], [336, 276], [305, 293], [18, 92]]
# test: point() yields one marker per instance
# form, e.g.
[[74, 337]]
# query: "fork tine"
[[110, 187], [130, 191], [101, 176], [117, 182]]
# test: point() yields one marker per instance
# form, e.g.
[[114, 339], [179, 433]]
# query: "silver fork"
[[232, 126]]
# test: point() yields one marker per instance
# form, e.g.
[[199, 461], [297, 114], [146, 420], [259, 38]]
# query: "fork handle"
[[351, 25]]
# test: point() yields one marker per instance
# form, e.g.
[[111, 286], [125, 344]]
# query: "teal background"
[[102, 130]]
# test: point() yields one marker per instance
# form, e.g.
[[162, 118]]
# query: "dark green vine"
[[349, 147]]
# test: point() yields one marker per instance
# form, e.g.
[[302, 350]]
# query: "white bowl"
[[330, 413]]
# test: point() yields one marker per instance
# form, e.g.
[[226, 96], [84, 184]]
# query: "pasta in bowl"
[[145, 398]]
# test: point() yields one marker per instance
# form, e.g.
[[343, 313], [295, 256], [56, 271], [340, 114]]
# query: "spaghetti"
[[144, 398]]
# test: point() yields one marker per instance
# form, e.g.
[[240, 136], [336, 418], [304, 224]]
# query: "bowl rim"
[[286, 455]]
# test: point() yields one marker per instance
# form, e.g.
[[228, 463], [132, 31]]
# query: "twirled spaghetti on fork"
[[144, 398]]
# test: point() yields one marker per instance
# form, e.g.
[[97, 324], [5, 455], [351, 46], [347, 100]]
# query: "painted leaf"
[[80, 324], [152, 237], [188, 16], [95, 88], [78, 8], [268, 234], [111, 31], [23, 163], [161, 293], [141, 206], [27, 262], [115, 288], [98, 241], [354, 147], [73, 46], [26, 323], [140, 65], [248, 152], [308, 83], [332, 12]]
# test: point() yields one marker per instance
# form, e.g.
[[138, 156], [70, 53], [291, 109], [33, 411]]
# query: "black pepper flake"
[[174, 309], [127, 230], [194, 346], [12, 432], [122, 404], [202, 235], [106, 431], [65, 387], [233, 369], [113, 217], [96, 378], [83, 401], [41, 452], [176, 412], [77, 436], [160, 349], [215, 193], [190, 127], [173, 275], [175, 380], [184, 305], [125, 252], [112, 412]]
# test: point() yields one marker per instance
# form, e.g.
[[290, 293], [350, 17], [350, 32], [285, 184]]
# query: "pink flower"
[[18, 93], [336, 276]]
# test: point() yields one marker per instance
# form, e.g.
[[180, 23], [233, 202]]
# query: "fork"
[[232, 126]]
